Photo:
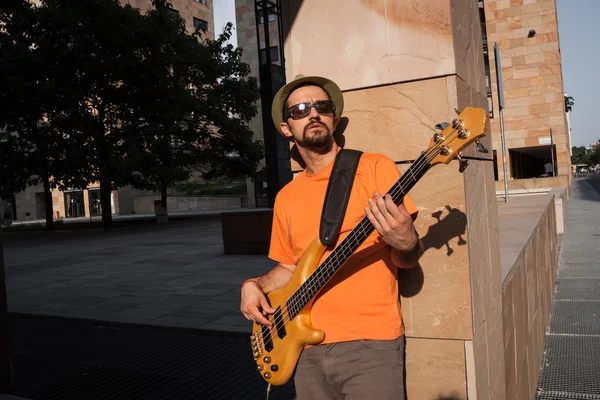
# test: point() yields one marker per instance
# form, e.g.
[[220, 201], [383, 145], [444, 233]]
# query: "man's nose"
[[313, 114]]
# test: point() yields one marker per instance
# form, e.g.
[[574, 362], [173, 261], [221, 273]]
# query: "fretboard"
[[357, 236]]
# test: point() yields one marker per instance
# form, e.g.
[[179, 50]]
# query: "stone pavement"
[[172, 275]]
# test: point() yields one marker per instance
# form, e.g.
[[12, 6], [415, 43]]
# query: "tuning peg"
[[481, 148], [462, 163], [442, 125]]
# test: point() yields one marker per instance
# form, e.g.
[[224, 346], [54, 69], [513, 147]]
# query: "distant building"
[[535, 122], [526, 32]]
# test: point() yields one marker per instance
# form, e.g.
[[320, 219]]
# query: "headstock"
[[469, 126]]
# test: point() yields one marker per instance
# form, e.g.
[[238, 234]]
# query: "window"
[[486, 60], [200, 24], [261, 17], [201, 1], [173, 11], [274, 53]]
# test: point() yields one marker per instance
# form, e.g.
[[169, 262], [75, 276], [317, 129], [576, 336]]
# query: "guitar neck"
[[357, 236]]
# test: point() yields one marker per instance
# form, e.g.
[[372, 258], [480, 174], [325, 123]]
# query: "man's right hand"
[[254, 304]]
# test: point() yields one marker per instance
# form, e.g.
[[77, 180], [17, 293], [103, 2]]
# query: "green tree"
[[579, 155], [125, 99], [34, 148], [202, 102]]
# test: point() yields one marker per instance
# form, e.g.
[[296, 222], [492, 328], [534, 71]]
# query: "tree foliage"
[[581, 155], [97, 92]]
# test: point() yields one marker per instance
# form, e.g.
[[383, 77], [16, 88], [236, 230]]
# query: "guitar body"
[[281, 360]]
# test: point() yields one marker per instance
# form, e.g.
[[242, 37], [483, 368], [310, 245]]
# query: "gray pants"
[[361, 369]]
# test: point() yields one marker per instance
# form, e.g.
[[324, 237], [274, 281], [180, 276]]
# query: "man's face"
[[315, 130]]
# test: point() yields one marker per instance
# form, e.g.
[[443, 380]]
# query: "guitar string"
[[396, 189], [327, 264]]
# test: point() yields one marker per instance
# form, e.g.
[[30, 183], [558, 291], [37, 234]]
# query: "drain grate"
[[566, 396], [570, 368], [57, 358], [575, 317], [577, 289], [580, 270]]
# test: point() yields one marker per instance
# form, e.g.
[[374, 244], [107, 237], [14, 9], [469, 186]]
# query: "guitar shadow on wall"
[[452, 225]]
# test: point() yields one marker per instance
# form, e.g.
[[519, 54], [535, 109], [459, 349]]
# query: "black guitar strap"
[[338, 193]]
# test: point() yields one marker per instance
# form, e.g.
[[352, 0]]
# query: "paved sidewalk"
[[140, 217], [161, 274], [571, 366]]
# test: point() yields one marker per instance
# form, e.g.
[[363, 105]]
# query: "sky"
[[224, 12], [579, 31]]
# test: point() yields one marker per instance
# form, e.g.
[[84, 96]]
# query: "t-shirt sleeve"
[[280, 248], [386, 175]]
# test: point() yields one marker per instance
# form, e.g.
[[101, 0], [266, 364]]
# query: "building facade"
[[86, 202], [535, 122]]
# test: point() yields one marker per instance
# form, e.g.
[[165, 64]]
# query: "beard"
[[318, 139]]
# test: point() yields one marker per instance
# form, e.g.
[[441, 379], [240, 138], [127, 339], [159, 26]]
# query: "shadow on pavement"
[[61, 358]]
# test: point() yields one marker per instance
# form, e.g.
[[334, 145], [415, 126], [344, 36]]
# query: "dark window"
[[274, 55], [173, 11], [261, 17], [200, 24], [74, 206], [486, 60]]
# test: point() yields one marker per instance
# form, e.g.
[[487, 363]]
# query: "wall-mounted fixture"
[[531, 33]]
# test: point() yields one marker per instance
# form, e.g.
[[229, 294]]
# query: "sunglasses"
[[302, 110]]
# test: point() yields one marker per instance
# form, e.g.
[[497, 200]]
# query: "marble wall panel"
[[435, 369], [378, 42]]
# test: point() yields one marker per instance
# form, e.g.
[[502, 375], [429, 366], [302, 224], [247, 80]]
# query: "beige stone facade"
[[187, 9], [533, 87]]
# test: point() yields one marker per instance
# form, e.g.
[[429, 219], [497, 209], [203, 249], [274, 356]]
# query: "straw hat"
[[329, 86]]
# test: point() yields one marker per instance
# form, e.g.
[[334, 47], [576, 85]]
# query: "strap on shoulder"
[[338, 194]]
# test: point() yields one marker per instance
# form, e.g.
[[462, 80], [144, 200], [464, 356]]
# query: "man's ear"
[[285, 129]]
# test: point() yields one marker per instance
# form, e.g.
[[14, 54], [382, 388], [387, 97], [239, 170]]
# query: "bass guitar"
[[276, 349]]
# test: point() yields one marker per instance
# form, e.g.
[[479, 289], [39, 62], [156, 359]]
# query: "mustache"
[[314, 124]]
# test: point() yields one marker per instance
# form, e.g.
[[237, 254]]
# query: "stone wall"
[[145, 204], [403, 67], [555, 181], [529, 247]]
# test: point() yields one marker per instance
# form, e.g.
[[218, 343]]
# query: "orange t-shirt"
[[361, 300]]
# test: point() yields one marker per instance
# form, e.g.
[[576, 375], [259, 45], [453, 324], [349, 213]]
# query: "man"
[[548, 168], [359, 311]]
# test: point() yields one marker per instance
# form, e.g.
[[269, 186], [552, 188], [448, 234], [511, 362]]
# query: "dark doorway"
[[40, 205], [532, 162], [74, 206], [94, 199]]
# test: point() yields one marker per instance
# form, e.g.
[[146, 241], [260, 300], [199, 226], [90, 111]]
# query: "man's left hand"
[[393, 222]]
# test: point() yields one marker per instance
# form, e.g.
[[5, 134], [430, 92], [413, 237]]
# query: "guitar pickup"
[[268, 342], [279, 323]]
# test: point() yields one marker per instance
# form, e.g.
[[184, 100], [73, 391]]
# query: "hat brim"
[[333, 90]]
